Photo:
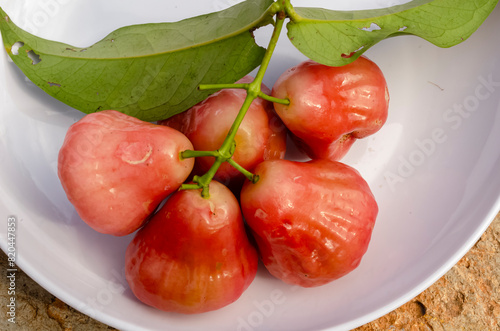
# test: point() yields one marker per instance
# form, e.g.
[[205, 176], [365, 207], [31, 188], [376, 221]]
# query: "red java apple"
[[312, 221], [116, 169], [193, 256], [331, 107], [261, 136]]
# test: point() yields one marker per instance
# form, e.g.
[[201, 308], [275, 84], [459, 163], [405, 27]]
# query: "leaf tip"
[[4, 15]]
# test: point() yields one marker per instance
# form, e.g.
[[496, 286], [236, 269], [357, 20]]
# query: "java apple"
[[312, 221], [193, 256], [116, 169], [331, 107]]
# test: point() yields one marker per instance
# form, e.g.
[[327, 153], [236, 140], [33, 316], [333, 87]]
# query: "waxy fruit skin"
[[261, 136], [331, 107], [194, 255], [116, 169], [312, 221]]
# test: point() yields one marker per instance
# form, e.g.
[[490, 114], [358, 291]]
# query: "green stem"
[[190, 154], [250, 176], [280, 20], [290, 12], [204, 87], [264, 96], [190, 187], [226, 151]]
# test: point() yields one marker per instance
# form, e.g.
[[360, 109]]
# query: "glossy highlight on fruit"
[[116, 169], [312, 221], [193, 256], [331, 107]]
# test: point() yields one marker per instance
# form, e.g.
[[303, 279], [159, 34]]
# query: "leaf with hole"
[[149, 71], [339, 37]]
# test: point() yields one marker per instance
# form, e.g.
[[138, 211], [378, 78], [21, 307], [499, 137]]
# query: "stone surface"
[[466, 298], [36, 309]]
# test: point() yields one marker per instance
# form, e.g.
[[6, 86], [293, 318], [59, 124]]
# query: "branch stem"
[[226, 151], [204, 87], [264, 96]]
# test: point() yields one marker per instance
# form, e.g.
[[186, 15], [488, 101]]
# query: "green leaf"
[[339, 37], [149, 71]]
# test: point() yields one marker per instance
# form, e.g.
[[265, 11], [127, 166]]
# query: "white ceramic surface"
[[434, 169]]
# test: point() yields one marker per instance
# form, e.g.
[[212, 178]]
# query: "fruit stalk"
[[226, 151]]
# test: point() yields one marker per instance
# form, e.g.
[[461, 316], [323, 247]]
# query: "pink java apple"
[[193, 256], [312, 220], [116, 169], [331, 107]]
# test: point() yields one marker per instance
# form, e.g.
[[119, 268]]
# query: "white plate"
[[434, 169]]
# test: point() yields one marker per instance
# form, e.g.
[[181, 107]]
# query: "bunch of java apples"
[[309, 222]]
